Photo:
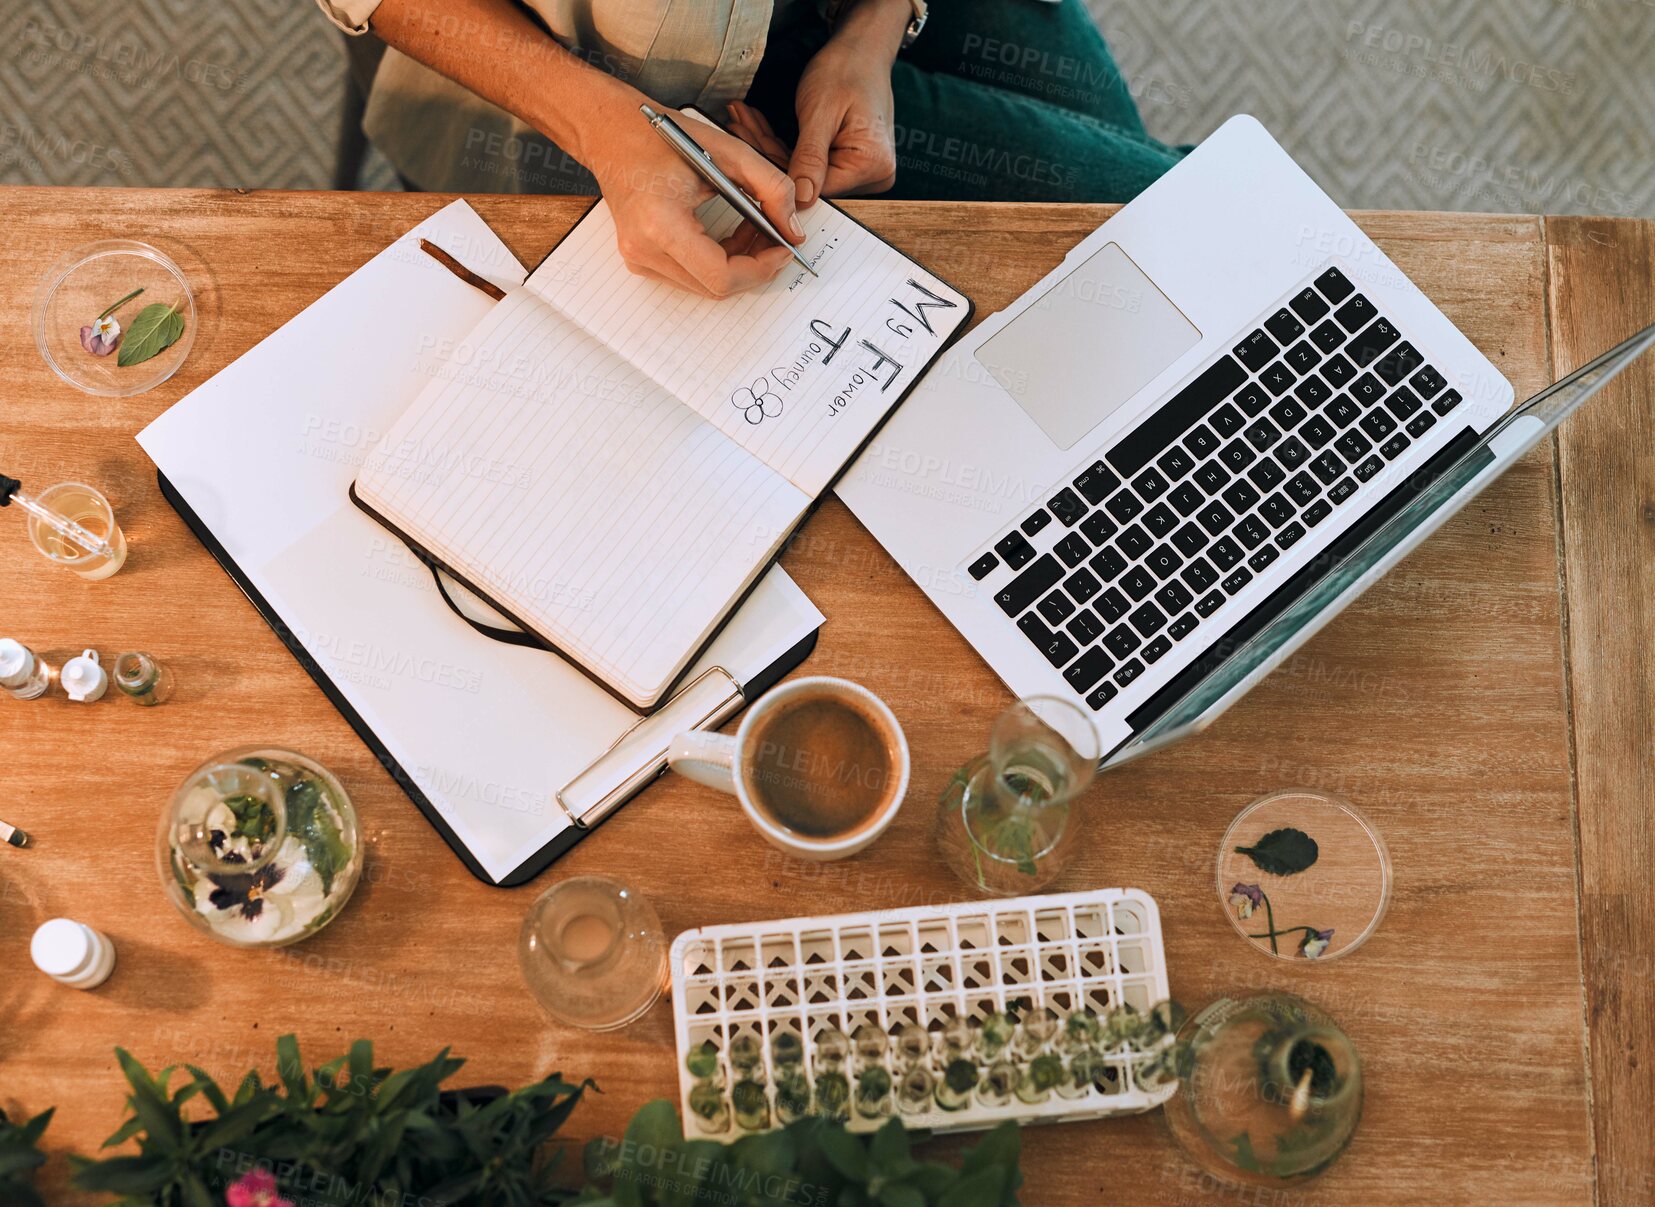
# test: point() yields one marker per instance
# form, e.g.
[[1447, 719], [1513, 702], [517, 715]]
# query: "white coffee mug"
[[725, 762]]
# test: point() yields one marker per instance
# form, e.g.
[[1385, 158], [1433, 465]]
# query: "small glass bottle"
[[142, 679], [1040, 1077], [1120, 1027], [747, 1058], [870, 1045], [1081, 1074], [873, 1092], [787, 1051], [593, 954], [1036, 1032], [23, 673], [832, 1050], [956, 1041], [792, 1093], [707, 1100], [959, 1078], [832, 1088], [995, 1035], [913, 1046], [999, 1083], [752, 1106], [913, 1091]]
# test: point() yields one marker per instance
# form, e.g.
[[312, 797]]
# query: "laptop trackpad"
[[1089, 343]]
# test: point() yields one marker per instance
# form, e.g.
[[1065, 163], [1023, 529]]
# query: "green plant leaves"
[[20, 1156], [1282, 852], [156, 329]]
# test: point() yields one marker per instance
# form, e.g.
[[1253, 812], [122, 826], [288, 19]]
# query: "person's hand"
[[846, 121], [653, 194]]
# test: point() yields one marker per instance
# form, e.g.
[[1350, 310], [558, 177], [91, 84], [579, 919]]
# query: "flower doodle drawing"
[[757, 403]]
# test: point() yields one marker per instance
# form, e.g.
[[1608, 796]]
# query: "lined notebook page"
[[564, 483], [798, 372]]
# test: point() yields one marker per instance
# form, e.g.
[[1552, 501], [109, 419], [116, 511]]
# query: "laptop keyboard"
[[1267, 442]]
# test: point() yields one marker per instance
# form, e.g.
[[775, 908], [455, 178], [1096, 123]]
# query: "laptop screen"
[[1321, 590]]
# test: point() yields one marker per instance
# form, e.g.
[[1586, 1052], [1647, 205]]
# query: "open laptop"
[[1226, 412]]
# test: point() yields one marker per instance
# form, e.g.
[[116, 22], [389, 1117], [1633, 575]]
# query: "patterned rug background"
[[1540, 106]]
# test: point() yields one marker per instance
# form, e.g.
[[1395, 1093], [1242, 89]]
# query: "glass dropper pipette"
[[11, 492]]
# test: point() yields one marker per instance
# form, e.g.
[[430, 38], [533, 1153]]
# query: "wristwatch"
[[834, 9]]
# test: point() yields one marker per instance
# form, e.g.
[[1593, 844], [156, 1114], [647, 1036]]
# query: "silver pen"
[[692, 154]]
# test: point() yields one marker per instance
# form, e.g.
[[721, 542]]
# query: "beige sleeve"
[[349, 15]]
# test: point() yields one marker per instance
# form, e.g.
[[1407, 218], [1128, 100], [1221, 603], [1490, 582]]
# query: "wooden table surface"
[[1487, 705]]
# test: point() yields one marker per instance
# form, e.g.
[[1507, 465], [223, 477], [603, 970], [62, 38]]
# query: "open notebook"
[[613, 462]]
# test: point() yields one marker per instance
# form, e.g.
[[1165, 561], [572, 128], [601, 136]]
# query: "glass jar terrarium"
[[260, 847]]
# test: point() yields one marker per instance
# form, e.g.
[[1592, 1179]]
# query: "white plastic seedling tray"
[[928, 965]]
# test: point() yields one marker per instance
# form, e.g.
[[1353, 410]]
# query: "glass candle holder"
[[593, 954], [84, 505]]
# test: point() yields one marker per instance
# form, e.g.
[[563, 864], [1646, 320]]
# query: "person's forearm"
[[877, 26], [495, 50]]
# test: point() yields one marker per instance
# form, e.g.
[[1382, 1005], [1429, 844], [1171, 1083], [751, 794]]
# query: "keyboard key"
[[1160, 520], [1072, 549], [1447, 402], [1328, 337], [1226, 420], [1421, 423], [1098, 527], [1155, 649], [1175, 463], [1367, 469], [1211, 477], [1174, 597], [1266, 474], [1393, 447], [1175, 417], [1302, 488], [1107, 564], [1133, 541], [1096, 482], [1276, 510], [1138, 583], [1240, 496], [1163, 561], [1056, 648], [1088, 669], [1225, 553], [1124, 505], [1341, 490], [1189, 540], [1036, 522], [1182, 627], [1356, 313], [1353, 445], [1367, 389], [1237, 581], [1328, 466], [1399, 363], [1121, 641], [1111, 605], [1257, 350], [1378, 423], [1029, 586], [1056, 608], [1265, 555], [1148, 620], [1289, 536], [1237, 455], [1288, 414], [1318, 431], [1312, 391], [1082, 585], [1335, 285], [1367, 347], [1129, 671], [1015, 550], [1085, 628], [1201, 441], [1150, 485], [979, 569], [1292, 452], [1262, 434], [1215, 517], [1428, 382], [1336, 370], [1251, 399], [1317, 512], [1309, 305], [1200, 574], [1186, 498], [1104, 693], [1278, 378], [1302, 356], [1284, 325], [1342, 411], [1066, 506], [1209, 603], [1403, 403], [1251, 531]]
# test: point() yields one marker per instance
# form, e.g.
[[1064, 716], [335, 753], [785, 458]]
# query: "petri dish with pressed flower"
[[1303, 875]]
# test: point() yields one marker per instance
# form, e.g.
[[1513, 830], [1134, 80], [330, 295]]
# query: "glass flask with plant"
[[792, 1093], [1036, 1031], [957, 1039], [787, 1051], [913, 1046], [1081, 1074], [832, 1094], [914, 1089], [1040, 1077], [707, 1100], [995, 1033], [959, 1078], [998, 1084], [870, 1043], [747, 1058], [873, 1092], [752, 1107]]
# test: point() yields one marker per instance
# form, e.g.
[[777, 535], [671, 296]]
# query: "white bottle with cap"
[[21, 672], [84, 678], [72, 953]]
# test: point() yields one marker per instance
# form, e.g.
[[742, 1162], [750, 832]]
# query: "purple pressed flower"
[[245, 891], [1315, 943], [100, 337], [1246, 898]]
